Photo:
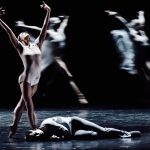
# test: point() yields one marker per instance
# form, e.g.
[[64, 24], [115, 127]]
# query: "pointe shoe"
[[12, 131]]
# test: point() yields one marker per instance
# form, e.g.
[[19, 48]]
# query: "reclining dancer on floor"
[[67, 128]]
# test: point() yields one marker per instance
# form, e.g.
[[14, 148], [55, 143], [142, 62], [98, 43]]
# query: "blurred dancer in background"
[[131, 41]]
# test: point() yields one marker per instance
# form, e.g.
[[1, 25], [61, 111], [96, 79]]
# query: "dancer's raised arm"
[[43, 32], [20, 23], [9, 31]]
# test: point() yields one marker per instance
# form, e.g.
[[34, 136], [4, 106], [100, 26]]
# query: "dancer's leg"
[[81, 97], [102, 132], [16, 116], [27, 95]]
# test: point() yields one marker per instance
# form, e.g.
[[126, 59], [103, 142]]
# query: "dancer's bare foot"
[[130, 134], [82, 99], [12, 130]]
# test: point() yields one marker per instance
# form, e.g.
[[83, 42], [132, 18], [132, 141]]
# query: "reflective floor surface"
[[127, 119]]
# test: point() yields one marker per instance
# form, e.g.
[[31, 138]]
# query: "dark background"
[[90, 54]]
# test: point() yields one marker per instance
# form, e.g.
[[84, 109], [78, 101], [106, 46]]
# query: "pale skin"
[[27, 90]]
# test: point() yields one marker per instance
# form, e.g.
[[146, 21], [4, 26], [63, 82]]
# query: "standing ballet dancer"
[[30, 54]]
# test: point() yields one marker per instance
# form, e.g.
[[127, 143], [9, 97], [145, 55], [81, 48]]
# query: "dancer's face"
[[24, 37], [34, 134]]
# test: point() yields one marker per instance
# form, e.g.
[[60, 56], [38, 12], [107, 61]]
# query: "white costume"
[[64, 122], [126, 49], [30, 56]]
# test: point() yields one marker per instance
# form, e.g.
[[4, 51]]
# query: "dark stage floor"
[[128, 119]]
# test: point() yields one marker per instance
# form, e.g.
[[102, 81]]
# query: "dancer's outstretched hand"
[[2, 11], [110, 13], [19, 23], [45, 6]]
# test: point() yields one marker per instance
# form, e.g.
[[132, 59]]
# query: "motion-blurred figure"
[[131, 42], [53, 47]]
